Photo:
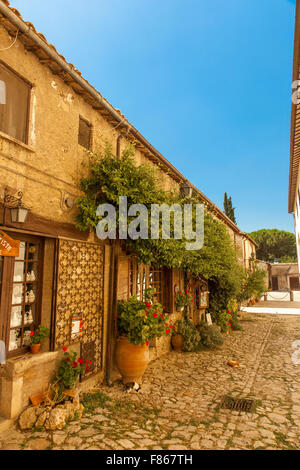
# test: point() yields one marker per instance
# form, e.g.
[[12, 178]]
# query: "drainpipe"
[[118, 150], [112, 308]]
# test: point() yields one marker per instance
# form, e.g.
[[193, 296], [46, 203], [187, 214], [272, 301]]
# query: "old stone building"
[[284, 277], [49, 116]]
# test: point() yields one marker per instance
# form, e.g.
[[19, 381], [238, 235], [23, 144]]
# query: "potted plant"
[[37, 337], [138, 323], [69, 370], [177, 335], [180, 301]]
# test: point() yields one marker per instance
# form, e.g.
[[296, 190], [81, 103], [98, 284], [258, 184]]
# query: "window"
[[84, 133], [155, 280], [14, 104], [141, 277], [294, 283], [20, 292]]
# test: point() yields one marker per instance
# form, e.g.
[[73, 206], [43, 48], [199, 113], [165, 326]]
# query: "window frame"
[[30, 87], [90, 126], [139, 280], [6, 292]]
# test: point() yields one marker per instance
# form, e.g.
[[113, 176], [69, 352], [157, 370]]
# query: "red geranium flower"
[[154, 314], [147, 343], [167, 331], [74, 365], [161, 316], [81, 361], [87, 369], [32, 333], [64, 349], [147, 304], [179, 293], [229, 311], [68, 359], [90, 362], [171, 326]]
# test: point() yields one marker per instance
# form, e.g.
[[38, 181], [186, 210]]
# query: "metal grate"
[[238, 404]]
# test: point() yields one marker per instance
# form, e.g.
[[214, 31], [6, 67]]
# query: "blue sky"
[[207, 83]]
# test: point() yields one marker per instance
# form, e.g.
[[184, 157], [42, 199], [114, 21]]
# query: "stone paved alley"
[[178, 406]]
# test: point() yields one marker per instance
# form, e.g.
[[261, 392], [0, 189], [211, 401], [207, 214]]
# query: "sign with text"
[[8, 246], [76, 330]]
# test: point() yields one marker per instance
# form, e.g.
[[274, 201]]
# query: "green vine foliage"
[[107, 178]]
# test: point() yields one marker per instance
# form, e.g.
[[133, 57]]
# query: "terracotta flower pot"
[[35, 348], [177, 342], [131, 360]]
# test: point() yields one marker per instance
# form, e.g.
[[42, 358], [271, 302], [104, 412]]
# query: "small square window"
[[14, 104], [84, 133]]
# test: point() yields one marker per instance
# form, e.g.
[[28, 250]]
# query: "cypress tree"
[[228, 209]]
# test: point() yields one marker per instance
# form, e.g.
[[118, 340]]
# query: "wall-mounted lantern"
[[18, 212], [187, 189]]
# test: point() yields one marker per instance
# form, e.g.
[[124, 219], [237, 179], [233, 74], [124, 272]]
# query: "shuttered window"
[[84, 133], [14, 104]]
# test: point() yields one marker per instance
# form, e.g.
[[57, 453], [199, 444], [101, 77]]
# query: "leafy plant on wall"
[[105, 178]]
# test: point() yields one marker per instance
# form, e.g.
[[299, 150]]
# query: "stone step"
[[5, 424]]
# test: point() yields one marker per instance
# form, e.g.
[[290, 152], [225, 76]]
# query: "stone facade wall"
[[283, 271]]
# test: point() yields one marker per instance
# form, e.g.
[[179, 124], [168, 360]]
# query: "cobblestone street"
[[178, 407]]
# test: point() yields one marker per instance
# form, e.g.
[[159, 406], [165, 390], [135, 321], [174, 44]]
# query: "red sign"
[[8, 246]]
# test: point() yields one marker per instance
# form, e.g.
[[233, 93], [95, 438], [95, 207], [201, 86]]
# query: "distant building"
[[284, 277]]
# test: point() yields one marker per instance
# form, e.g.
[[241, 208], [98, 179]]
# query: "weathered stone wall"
[[53, 152]]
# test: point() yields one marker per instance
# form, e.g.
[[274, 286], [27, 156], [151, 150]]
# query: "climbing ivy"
[[105, 178]]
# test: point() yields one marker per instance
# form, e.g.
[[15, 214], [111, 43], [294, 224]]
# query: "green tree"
[[228, 209], [275, 245]]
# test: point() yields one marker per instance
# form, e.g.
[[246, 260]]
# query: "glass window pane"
[[15, 339], [22, 251], [16, 316], [30, 295], [18, 294], [33, 251], [29, 314], [26, 337], [19, 271]]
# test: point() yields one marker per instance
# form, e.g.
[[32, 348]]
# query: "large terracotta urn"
[[177, 341], [131, 360]]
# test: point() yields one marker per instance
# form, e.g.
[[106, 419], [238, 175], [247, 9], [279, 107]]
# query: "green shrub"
[[210, 335], [235, 321], [191, 336]]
